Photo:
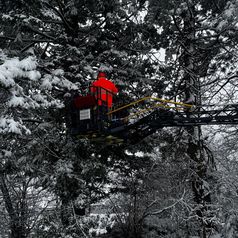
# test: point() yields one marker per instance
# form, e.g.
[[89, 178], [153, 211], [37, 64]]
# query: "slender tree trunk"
[[16, 226], [65, 212], [192, 95]]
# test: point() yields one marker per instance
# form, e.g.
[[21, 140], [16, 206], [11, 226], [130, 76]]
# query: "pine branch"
[[32, 120], [26, 40], [40, 32], [60, 14], [27, 47]]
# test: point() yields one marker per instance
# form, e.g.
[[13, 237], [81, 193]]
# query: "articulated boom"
[[93, 115], [92, 118], [203, 115]]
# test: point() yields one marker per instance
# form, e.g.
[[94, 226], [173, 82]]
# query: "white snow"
[[7, 17], [24, 84], [15, 68], [221, 25], [9, 125], [3, 122], [28, 63], [16, 101], [34, 75], [13, 127], [49, 81], [46, 84], [229, 12], [5, 78], [58, 72], [39, 98], [7, 153]]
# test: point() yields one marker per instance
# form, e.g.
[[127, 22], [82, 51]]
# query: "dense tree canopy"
[[175, 183]]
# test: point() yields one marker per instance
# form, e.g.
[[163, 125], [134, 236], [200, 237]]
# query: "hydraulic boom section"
[[203, 115], [93, 117]]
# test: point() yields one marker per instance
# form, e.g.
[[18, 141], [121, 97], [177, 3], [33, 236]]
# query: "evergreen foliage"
[[166, 185]]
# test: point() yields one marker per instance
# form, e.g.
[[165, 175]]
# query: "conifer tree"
[[193, 34]]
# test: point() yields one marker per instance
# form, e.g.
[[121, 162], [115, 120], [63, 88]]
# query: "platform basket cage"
[[89, 113]]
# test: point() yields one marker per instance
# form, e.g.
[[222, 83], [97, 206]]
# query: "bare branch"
[[40, 32], [26, 40], [163, 209], [60, 14]]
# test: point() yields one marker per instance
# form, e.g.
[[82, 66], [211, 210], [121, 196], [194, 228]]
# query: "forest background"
[[179, 182]]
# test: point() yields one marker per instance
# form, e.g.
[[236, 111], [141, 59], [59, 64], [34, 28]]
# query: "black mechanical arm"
[[160, 118]]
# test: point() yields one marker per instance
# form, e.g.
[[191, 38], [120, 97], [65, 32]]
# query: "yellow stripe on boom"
[[155, 99]]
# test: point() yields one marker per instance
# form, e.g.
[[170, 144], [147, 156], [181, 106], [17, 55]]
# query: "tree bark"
[[192, 95], [16, 226]]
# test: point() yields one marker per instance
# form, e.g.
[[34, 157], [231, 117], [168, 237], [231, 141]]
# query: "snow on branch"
[[27, 92], [14, 68], [9, 125]]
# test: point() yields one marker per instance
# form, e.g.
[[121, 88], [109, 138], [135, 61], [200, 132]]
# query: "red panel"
[[100, 85], [104, 83], [84, 101]]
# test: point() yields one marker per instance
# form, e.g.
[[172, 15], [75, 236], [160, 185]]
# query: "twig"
[[60, 15], [40, 32], [165, 208], [26, 40], [77, 223]]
